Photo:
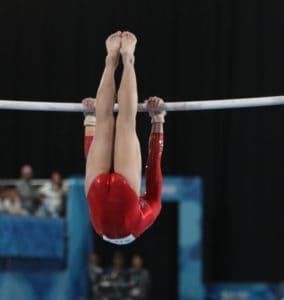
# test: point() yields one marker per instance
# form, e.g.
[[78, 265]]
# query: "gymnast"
[[113, 169]]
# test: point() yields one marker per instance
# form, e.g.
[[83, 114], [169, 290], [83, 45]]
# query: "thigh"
[[127, 154], [100, 157]]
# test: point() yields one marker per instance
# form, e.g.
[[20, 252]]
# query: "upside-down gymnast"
[[112, 149]]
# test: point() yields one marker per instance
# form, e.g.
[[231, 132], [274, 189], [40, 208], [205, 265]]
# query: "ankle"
[[128, 58], [111, 60]]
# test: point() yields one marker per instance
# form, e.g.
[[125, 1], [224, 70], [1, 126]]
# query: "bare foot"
[[113, 45], [128, 43]]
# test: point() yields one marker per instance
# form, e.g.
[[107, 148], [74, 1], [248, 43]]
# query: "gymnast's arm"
[[89, 123], [153, 168]]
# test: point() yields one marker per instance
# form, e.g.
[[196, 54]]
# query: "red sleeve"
[[87, 144], [153, 174]]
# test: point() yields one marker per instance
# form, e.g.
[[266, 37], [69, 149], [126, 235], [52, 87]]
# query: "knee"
[[126, 120], [104, 113], [105, 119]]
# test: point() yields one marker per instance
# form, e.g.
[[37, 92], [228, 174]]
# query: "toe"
[[117, 33], [130, 34], [127, 33], [114, 34], [110, 36]]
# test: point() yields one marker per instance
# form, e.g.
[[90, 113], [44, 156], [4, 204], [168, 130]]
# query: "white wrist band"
[[90, 120], [158, 119]]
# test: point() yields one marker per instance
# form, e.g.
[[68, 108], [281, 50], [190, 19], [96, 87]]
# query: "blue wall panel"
[[70, 283], [187, 192]]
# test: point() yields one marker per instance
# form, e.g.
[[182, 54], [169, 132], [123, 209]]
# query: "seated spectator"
[[11, 203], [95, 273], [52, 196], [139, 279], [114, 284], [117, 269], [26, 191]]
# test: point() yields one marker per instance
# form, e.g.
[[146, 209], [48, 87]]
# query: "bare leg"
[[127, 156], [100, 156]]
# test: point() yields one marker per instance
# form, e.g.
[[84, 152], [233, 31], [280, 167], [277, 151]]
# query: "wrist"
[[160, 118], [157, 128], [90, 120]]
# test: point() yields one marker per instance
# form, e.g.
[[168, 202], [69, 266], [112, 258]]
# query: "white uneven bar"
[[169, 106]]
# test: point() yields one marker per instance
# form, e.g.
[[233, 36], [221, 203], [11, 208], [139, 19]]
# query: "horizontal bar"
[[169, 106]]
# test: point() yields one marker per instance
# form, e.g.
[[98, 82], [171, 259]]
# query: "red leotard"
[[116, 211]]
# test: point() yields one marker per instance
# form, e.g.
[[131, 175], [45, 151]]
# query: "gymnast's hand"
[[89, 106], [152, 104]]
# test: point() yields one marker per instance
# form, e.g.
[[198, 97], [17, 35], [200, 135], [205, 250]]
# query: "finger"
[[157, 103], [146, 102]]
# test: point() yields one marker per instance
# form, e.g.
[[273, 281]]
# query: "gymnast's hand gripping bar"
[[168, 106]]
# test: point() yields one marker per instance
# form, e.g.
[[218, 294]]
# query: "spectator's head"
[[26, 172], [56, 178], [118, 260], [94, 259], [137, 262]]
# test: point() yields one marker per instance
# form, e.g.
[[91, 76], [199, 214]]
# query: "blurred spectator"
[[139, 279], [26, 191], [11, 203], [117, 269], [52, 196], [95, 273], [118, 283], [114, 285]]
